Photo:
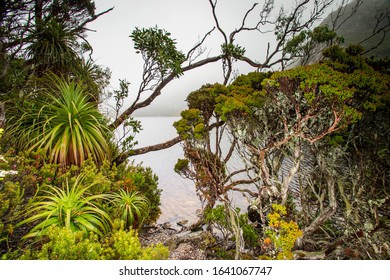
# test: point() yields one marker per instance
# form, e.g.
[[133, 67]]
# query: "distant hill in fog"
[[360, 26]]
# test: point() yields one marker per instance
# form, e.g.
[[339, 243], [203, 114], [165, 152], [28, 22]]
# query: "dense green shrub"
[[64, 244], [249, 233], [125, 245], [11, 197], [34, 179], [217, 218]]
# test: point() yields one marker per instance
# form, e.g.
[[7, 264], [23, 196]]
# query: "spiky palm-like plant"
[[67, 126], [131, 206], [54, 49], [70, 207]]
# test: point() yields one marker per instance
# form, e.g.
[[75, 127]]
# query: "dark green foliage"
[[204, 99], [219, 219], [217, 216], [157, 48], [371, 87], [345, 60], [232, 51], [252, 80], [380, 65], [305, 43], [11, 196], [54, 50], [181, 165], [249, 232], [360, 26]]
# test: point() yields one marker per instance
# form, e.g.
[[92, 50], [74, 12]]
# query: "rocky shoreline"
[[183, 244]]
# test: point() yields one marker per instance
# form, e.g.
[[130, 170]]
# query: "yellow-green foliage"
[[33, 178], [125, 245], [11, 196], [65, 244], [191, 125], [282, 233]]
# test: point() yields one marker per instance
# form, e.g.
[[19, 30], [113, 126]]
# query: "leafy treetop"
[[158, 50]]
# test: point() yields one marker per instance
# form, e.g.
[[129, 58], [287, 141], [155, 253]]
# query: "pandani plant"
[[71, 207], [67, 126], [131, 207]]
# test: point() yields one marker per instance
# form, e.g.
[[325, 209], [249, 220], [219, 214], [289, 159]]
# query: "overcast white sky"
[[187, 21]]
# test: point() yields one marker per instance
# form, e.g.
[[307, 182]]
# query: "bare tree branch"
[[124, 156], [382, 26], [157, 91], [213, 9], [152, 148], [91, 19], [197, 46], [341, 11]]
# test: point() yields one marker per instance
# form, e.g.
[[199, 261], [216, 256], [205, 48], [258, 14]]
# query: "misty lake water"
[[178, 198]]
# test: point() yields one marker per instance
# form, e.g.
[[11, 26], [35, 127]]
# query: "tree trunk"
[[122, 157], [329, 212], [2, 115]]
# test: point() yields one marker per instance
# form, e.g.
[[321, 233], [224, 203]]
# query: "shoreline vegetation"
[[313, 142]]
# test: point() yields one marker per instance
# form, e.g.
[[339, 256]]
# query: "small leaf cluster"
[[156, 45], [181, 166], [232, 51], [305, 41], [125, 245], [191, 125]]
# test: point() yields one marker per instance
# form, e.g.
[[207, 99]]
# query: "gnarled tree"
[[262, 20]]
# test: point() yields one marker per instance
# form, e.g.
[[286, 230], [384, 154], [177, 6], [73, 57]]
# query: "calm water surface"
[[178, 197]]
